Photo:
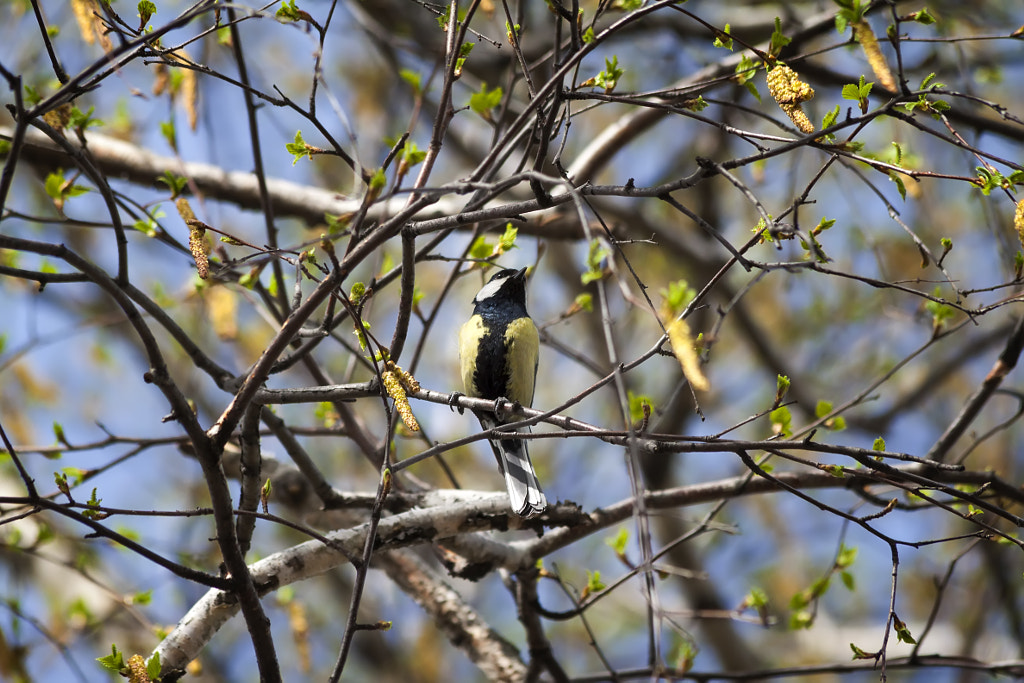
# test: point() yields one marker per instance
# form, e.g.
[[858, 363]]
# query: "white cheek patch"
[[489, 290]]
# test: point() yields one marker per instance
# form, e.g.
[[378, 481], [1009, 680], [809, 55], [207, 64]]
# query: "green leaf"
[[756, 598], [153, 666], [507, 241], [586, 301], [846, 556], [588, 35], [481, 248], [640, 406], [801, 620], [902, 632], [782, 385], [879, 444], [778, 40], [412, 78], [32, 95], [170, 135], [288, 11], [922, 16], [485, 100], [723, 39], [298, 148], [412, 155], [114, 661], [595, 257], [618, 544], [859, 653], [848, 580], [594, 583], [678, 295], [900, 187], [782, 421], [822, 409], [175, 183], [830, 118], [53, 184], [80, 120], [146, 10], [609, 78]]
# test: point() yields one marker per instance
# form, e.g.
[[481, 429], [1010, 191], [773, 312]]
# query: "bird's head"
[[506, 287]]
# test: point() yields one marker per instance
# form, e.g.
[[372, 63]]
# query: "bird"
[[498, 350]]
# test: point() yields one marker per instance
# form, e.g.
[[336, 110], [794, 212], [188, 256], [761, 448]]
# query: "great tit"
[[498, 350]]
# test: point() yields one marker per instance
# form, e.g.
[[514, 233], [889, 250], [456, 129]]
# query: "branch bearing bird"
[[498, 349]]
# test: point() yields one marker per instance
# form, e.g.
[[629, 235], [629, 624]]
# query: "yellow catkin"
[[1018, 221], [161, 78], [300, 634], [222, 312], [59, 117], [869, 43], [83, 11], [190, 97], [682, 347], [790, 92], [197, 243], [396, 391], [137, 670]]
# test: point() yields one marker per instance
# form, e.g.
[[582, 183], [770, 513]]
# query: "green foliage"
[[413, 79], [723, 39], [861, 654], [411, 156], [594, 582], [81, 121], [640, 406], [169, 133], [939, 311], [677, 296], [485, 100], [507, 241], [298, 148], [782, 385], [902, 632], [146, 11], [782, 421], [460, 61], [778, 40], [60, 190], [619, 542], [609, 78], [835, 424], [922, 16], [360, 331], [32, 96], [858, 92], [744, 75], [289, 11], [149, 225], [879, 444], [585, 302], [114, 661], [175, 183], [595, 257], [850, 11], [900, 187], [989, 178]]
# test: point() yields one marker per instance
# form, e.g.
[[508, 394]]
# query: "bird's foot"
[[504, 407], [453, 399]]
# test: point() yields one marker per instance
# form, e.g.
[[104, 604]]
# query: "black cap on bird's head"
[[508, 285]]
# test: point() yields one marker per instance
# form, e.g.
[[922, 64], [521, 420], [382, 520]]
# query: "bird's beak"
[[521, 273]]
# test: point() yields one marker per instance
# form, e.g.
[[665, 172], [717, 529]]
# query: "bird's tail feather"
[[524, 493]]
